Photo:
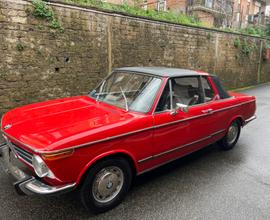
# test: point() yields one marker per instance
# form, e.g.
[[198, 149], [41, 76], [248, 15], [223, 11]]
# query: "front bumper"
[[27, 184]]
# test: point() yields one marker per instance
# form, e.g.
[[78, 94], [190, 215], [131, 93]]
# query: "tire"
[[106, 185], [231, 137]]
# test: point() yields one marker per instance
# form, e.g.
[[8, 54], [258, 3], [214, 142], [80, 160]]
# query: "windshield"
[[131, 91]]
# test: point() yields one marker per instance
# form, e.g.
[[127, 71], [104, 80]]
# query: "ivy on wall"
[[245, 48], [43, 11]]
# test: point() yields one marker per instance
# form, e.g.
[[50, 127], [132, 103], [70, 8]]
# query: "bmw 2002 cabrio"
[[137, 119]]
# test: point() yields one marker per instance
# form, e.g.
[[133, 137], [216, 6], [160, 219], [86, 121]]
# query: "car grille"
[[25, 155]]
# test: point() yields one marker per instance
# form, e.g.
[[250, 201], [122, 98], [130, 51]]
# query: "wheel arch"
[[239, 118], [119, 153]]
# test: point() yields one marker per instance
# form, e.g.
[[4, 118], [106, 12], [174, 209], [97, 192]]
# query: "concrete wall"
[[39, 63]]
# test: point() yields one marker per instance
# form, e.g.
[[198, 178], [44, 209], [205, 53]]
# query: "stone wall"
[[38, 62]]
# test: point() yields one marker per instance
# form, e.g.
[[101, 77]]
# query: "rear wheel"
[[106, 184], [231, 137]]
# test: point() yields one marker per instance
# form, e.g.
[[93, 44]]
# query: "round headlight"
[[40, 167]]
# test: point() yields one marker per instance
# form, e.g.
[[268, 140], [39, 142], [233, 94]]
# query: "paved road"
[[209, 184]]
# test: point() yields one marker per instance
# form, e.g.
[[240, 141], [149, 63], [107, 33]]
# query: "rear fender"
[[236, 117]]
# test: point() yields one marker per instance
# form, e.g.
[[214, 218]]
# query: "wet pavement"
[[210, 184]]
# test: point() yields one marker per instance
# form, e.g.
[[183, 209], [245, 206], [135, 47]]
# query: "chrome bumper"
[[26, 184], [250, 119]]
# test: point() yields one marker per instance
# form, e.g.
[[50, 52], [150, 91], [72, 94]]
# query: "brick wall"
[[179, 6], [39, 63], [206, 17]]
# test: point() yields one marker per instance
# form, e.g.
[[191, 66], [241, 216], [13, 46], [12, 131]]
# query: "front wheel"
[[106, 185], [231, 137]]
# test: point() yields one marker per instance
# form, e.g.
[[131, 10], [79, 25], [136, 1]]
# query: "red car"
[[136, 120]]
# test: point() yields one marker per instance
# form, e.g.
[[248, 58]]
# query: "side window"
[[208, 91], [164, 101], [187, 90]]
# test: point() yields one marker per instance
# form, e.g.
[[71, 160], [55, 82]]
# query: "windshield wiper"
[[100, 90], [124, 98]]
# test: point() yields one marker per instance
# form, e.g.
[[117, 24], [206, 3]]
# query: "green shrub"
[[267, 29], [168, 16], [137, 11], [42, 11]]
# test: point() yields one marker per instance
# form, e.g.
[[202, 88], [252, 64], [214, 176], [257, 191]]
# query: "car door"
[[179, 133]]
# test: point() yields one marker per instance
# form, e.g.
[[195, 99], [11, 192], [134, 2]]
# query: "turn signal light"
[[57, 156]]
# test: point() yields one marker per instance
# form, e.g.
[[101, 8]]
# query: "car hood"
[[63, 123]]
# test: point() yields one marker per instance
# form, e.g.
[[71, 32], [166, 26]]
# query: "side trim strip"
[[182, 146], [125, 134], [159, 165]]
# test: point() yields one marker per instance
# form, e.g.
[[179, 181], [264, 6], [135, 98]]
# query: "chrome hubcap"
[[232, 133], [107, 184]]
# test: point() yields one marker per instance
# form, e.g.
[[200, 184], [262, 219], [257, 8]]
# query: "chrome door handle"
[[207, 111]]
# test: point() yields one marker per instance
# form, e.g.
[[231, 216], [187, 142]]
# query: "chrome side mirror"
[[180, 107]]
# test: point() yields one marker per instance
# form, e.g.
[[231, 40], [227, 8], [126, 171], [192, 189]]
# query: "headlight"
[[40, 167]]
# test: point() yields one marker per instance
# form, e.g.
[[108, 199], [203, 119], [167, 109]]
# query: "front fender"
[[120, 152]]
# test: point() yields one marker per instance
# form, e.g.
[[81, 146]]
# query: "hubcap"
[[107, 184], [232, 133]]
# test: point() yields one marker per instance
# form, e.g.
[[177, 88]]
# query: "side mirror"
[[180, 107]]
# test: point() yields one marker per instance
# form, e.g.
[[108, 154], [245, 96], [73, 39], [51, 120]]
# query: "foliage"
[[42, 11], [137, 11], [20, 47], [253, 30], [244, 46], [237, 42], [247, 48], [169, 16], [267, 29]]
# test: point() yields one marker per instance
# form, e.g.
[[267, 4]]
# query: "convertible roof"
[[162, 71]]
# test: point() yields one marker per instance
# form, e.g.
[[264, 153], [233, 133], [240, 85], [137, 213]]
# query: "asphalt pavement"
[[209, 184]]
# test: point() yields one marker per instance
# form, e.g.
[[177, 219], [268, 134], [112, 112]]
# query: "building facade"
[[249, 12], [216, 13]]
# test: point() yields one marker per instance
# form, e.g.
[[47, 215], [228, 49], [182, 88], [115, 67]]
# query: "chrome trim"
[[180, 147], [8, 167], [81, 145], [166, 162], [125, 134], [233, 106], [24, 155], [171, 94], [250, 119], [181, 120], [35, 186], [29, 184]]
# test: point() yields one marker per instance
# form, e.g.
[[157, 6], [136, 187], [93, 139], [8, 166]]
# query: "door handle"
[[207, 111]]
